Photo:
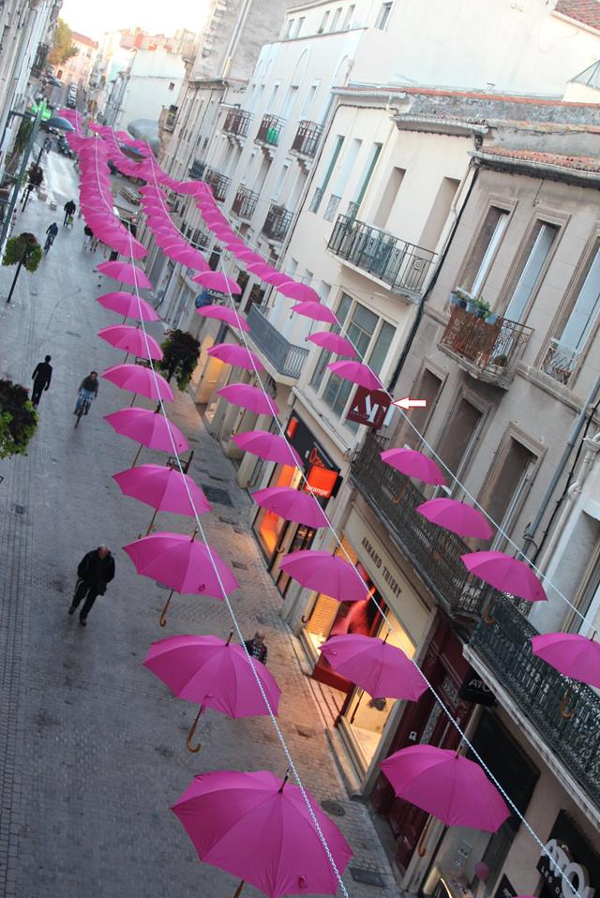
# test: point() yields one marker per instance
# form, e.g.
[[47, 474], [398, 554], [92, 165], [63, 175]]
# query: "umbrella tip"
[[229, 638], [284, 781]]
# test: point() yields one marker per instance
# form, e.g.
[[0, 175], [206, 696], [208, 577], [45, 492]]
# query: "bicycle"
[[48, 243], [83, 407]]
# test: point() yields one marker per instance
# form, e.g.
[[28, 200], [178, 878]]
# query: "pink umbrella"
[[382, 670], [333, 342], [292, 505], [214, 280], [139, 379], [261, 269], [268, 446], [456, 517], [573, 655], [325, 573], [183, 565], [148, 428], [131, 340], [505, 574], [252, 398], [357, 373], [276, 278], [447, 786], [128, 305], [301, 292], [246, 255], [316, 311], [214, 674], [259, 828], [231, 316], [164, 489], [238, 356], [413, 464], [125, 272]]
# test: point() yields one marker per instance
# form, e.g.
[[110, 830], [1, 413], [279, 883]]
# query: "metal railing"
[[219, 183], [285, 357], [494, 349], [307, 139], [560, 361], [244, 204], [401, 265], [270, 130], [237, 122], [277, 223], [197, 169], [565, 712]]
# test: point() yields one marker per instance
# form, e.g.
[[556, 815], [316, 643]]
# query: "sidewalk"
[[92, 751]]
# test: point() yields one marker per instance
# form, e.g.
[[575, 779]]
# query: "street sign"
[[369, 407]]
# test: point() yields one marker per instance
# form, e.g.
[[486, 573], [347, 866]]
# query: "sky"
[[156, 16]]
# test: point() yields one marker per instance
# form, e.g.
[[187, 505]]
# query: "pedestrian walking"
[[257, 648], [69, 208], [95, 571], [88, 234], [41, 380]]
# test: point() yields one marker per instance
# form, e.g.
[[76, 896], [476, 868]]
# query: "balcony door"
[[543, 237], [460, 435], [507, 485]]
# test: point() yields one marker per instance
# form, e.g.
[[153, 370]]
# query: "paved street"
[[92, 751]]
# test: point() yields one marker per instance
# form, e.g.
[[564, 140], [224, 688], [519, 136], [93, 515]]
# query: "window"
[[507, 483], [325, 357], [301, 22], [271, 104], [342, 179], [289, 101], [309, 101], [384, 14], [427, 386], [348, 16], [537, 252], [288, 28], [172, 85], [336, 19], [320, 191], [484, 250], [367, 173], [460, 434], [388, 197], [324, 21], [438, 215], [280, 180]]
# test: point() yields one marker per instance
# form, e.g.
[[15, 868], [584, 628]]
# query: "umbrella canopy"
[[252, 825], [505, 574], [357, 373], [215, 280], [379, 668], [129, 305], [149, 428], [457, 517], [301, 292], [252, 398], [268, 446], [446, 785], [238, 356], [573, 655], [139, 379], [414, 464], [182, 564], [333, 342], [125, 272], [164, 489], [231, 316], [315, 310], [131, 339], [326, 573], [292, 505]]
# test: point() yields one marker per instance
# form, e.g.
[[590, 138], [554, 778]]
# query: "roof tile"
[[585, 11], [576, 163]]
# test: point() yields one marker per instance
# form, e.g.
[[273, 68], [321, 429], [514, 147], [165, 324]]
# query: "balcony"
[[218, 182], [277, 223], [564, 712], [237, 122], [488, 352], [269, 132], [307, 139], [560, 361], [197, 169], [402, 266], [244, 204], [285, 357]]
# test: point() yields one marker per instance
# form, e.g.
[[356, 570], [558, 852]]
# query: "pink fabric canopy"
[[301, 292], [129, 305], [217, 281], [238, 356], [268, 446], [326, 573], [357, 373], [131, 340], [457, 517], [505, 574], [292, 505], [573, 655], [414, 464], [251, 398], [141, 380], [315, 310], [149, 428], [222, 313], [333, 342], [164, 489], [381, 669], [126, 273]]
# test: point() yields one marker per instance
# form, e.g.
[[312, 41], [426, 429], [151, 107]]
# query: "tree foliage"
[[18, 419], [23, 248], [63, 47], [180, 357]]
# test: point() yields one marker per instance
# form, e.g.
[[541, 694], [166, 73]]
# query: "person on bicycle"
[[51, 233], [88, 390]]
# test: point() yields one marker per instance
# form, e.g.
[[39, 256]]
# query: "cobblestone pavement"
[[92, 750]]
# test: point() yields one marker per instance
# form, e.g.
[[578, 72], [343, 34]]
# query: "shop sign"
[[569, 864], [308, 448], [381, 566], [320, 481], [505, 889], [369, 407], [475, 690]]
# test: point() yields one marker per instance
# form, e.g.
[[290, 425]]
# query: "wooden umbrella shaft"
[[163, 616]]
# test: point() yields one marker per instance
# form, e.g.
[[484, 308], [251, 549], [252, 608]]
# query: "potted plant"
[[22, 251], [18, 419], [472, 306], [180, 357], [459, 298], [483, 308]]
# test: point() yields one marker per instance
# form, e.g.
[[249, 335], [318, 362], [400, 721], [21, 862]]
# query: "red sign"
[[320, 481], [369, 407]]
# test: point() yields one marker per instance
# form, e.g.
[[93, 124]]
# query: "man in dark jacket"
[[41, 379], [69, 208], [95, 571], [257, 648]]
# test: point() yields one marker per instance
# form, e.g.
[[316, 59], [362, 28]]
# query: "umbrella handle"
[[398, 499], [566, 711], [487, 616], [133, 400], [137, 456], [422, 847], [163, 616], [190, 735], [238, 891], [151, 522]]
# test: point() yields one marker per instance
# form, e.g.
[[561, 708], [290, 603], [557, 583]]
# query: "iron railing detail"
[[197, 169], [565, 712], [270, 130], [218, 182], [401, 265], [285, 357], [307, 139], [244, 204], [493, 350], [237, 122], [277, 223], [560, 361]]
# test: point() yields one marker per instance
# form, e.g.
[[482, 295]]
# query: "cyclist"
[[88, 390], [51, 233]]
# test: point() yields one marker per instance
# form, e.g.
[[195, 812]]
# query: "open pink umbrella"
[[238, 356], [126, 273], [214, 674], [222, 313], [333, 342], [164, 489], [183, 565], [315, 310], [413, 464], [255, 826], [573, 655], [148, 428], [456, 517], [128, 305], [268, 446], [251, 398], [505, 574], [447, 786], [292, 505], [139, 379], [131, 340], [357, 373], [217, 281], [379, 668], [325, 573], [301, 292]]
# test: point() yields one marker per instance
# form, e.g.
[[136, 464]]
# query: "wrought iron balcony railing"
[[560, 361], [219, 183], [285, 357], [565, 712], [400, 265], [197, 169], [244, 204], [237, 122], [277, 223], [490, 351], [307, 139], [270, 130]]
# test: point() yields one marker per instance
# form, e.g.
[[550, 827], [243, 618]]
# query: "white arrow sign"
[[407, 403]]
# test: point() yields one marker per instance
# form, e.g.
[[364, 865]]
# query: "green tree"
[[18, 419], [63, 47], [180, 357], [22, 251]]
